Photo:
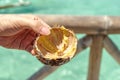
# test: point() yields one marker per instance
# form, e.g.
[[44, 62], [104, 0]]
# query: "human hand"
[[20, 31]]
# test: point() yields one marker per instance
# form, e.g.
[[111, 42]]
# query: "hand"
[[20, 31]]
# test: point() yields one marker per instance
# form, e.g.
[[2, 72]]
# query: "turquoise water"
[[19, 65]]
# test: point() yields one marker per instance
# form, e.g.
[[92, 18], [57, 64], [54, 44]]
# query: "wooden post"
[[112, 49], [43, 72], [95, 57], [83, 43]]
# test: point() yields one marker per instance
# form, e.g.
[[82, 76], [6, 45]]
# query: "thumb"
[[40, 27]]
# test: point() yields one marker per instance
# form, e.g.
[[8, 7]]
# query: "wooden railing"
[[97, 29]]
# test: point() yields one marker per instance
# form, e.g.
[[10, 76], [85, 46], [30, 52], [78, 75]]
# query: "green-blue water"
[[19, 65]]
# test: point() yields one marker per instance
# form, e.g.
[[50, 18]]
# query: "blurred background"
[[20, 65]]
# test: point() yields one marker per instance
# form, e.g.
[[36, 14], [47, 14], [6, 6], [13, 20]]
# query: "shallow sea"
[[19, 65]]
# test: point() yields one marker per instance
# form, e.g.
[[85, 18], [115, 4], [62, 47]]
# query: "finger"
[[35, 23], [28, 40], [29, 49], [29, 16], [33, 52], [40, 27]]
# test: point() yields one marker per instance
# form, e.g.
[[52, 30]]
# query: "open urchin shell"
[[56, 48]]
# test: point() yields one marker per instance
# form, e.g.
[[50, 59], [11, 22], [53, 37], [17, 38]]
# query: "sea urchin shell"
[[57, 48]]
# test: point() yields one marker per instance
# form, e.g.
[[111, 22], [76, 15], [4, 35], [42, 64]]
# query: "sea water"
[[20, 65]]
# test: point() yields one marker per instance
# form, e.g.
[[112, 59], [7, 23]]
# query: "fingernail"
[[45, 31]]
